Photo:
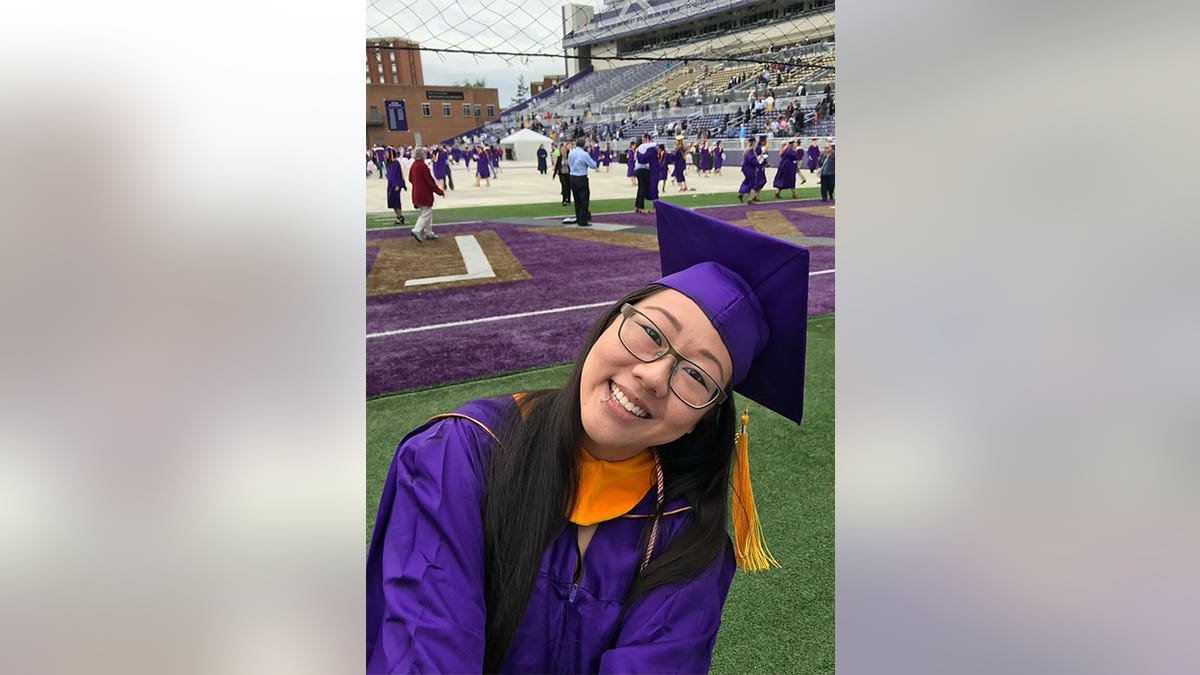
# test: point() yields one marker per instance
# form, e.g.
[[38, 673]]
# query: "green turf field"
[[596, 206], [779, 621]]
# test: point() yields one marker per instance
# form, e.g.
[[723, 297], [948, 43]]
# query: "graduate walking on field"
[[785, 176], [754, 175]]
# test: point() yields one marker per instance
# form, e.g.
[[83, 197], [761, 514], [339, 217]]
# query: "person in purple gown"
[[664, 170], [395, 184], [754, 175], [606, 156], [785, 176], [646, 171], [482, 167], [679, 165], [718, 158], [630, 161], [455, 154], [594, 153], [582, 529], [814, 156], [705, 158], [379, 153], [468, 155], [439, 166]]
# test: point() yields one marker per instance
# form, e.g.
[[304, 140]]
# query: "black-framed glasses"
[[647, 343]]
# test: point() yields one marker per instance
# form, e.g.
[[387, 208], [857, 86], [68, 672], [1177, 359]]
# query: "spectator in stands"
[[645, 167], [423, 189], [541, 158], [827, 157], [785, 176], [578, 163]]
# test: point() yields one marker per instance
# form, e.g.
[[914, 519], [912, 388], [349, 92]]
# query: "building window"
[[374, 113], [445, 110], [425, 110], [491, 110], [477, 111], [466, 110], [395, 80]]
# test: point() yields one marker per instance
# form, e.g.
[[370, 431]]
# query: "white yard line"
[[503, 317]]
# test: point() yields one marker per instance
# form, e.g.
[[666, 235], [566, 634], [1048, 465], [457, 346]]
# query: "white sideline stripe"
[[468, 322], [485, 319], [476, 260]]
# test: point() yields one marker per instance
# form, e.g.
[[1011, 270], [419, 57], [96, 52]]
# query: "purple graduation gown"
[[425, 575], [395, 179], [629, 162], [814, 155], [705, 159], [606, 157], [483, 165], [760, 176], [439, 165], [749, 170], [718, 157], [785, 177], [680, 165]]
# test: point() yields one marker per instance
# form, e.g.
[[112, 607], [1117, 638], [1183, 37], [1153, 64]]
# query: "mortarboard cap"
[[754, 289], [762, 137]]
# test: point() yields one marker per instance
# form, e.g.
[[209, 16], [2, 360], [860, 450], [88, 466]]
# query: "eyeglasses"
[[647, 343]]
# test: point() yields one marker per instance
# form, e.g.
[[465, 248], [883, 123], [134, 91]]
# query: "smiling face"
[[626, 405]]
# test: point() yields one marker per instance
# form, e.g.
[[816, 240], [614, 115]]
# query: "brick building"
[[434, 112], [548, 81]]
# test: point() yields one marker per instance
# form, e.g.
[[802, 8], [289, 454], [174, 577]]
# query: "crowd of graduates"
[[661, 166]]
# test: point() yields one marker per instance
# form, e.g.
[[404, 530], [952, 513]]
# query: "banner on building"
[[397, 120]]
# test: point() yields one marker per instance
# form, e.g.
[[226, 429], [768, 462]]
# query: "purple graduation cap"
[[754, 289]]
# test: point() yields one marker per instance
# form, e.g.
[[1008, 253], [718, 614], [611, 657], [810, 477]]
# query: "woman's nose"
[[656, 375]]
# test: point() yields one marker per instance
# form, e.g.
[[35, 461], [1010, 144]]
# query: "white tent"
[[525, 143]]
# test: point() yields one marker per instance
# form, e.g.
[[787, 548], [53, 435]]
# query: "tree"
[[522, 91], [481, 82]]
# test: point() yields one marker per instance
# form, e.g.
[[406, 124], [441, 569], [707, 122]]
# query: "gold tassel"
[[750, 549]]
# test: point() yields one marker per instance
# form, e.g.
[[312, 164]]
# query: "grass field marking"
[[468, 322], [503, 317], [409, 227], [473, 257]]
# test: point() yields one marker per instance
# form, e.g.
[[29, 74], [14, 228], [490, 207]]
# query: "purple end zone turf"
[[565, 272]]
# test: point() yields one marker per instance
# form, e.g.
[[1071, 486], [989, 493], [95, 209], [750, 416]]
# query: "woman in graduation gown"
[[754, 176], [583, 529], [482, 167], [785, 176], [630, 160]]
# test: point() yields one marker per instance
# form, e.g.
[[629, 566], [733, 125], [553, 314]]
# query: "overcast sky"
[[533, 26]]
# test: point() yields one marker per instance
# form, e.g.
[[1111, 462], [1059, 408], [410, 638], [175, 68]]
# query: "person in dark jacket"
[[541, 157], [423, 189], [562, 174]]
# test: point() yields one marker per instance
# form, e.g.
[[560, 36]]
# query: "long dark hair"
[[531, 487]]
